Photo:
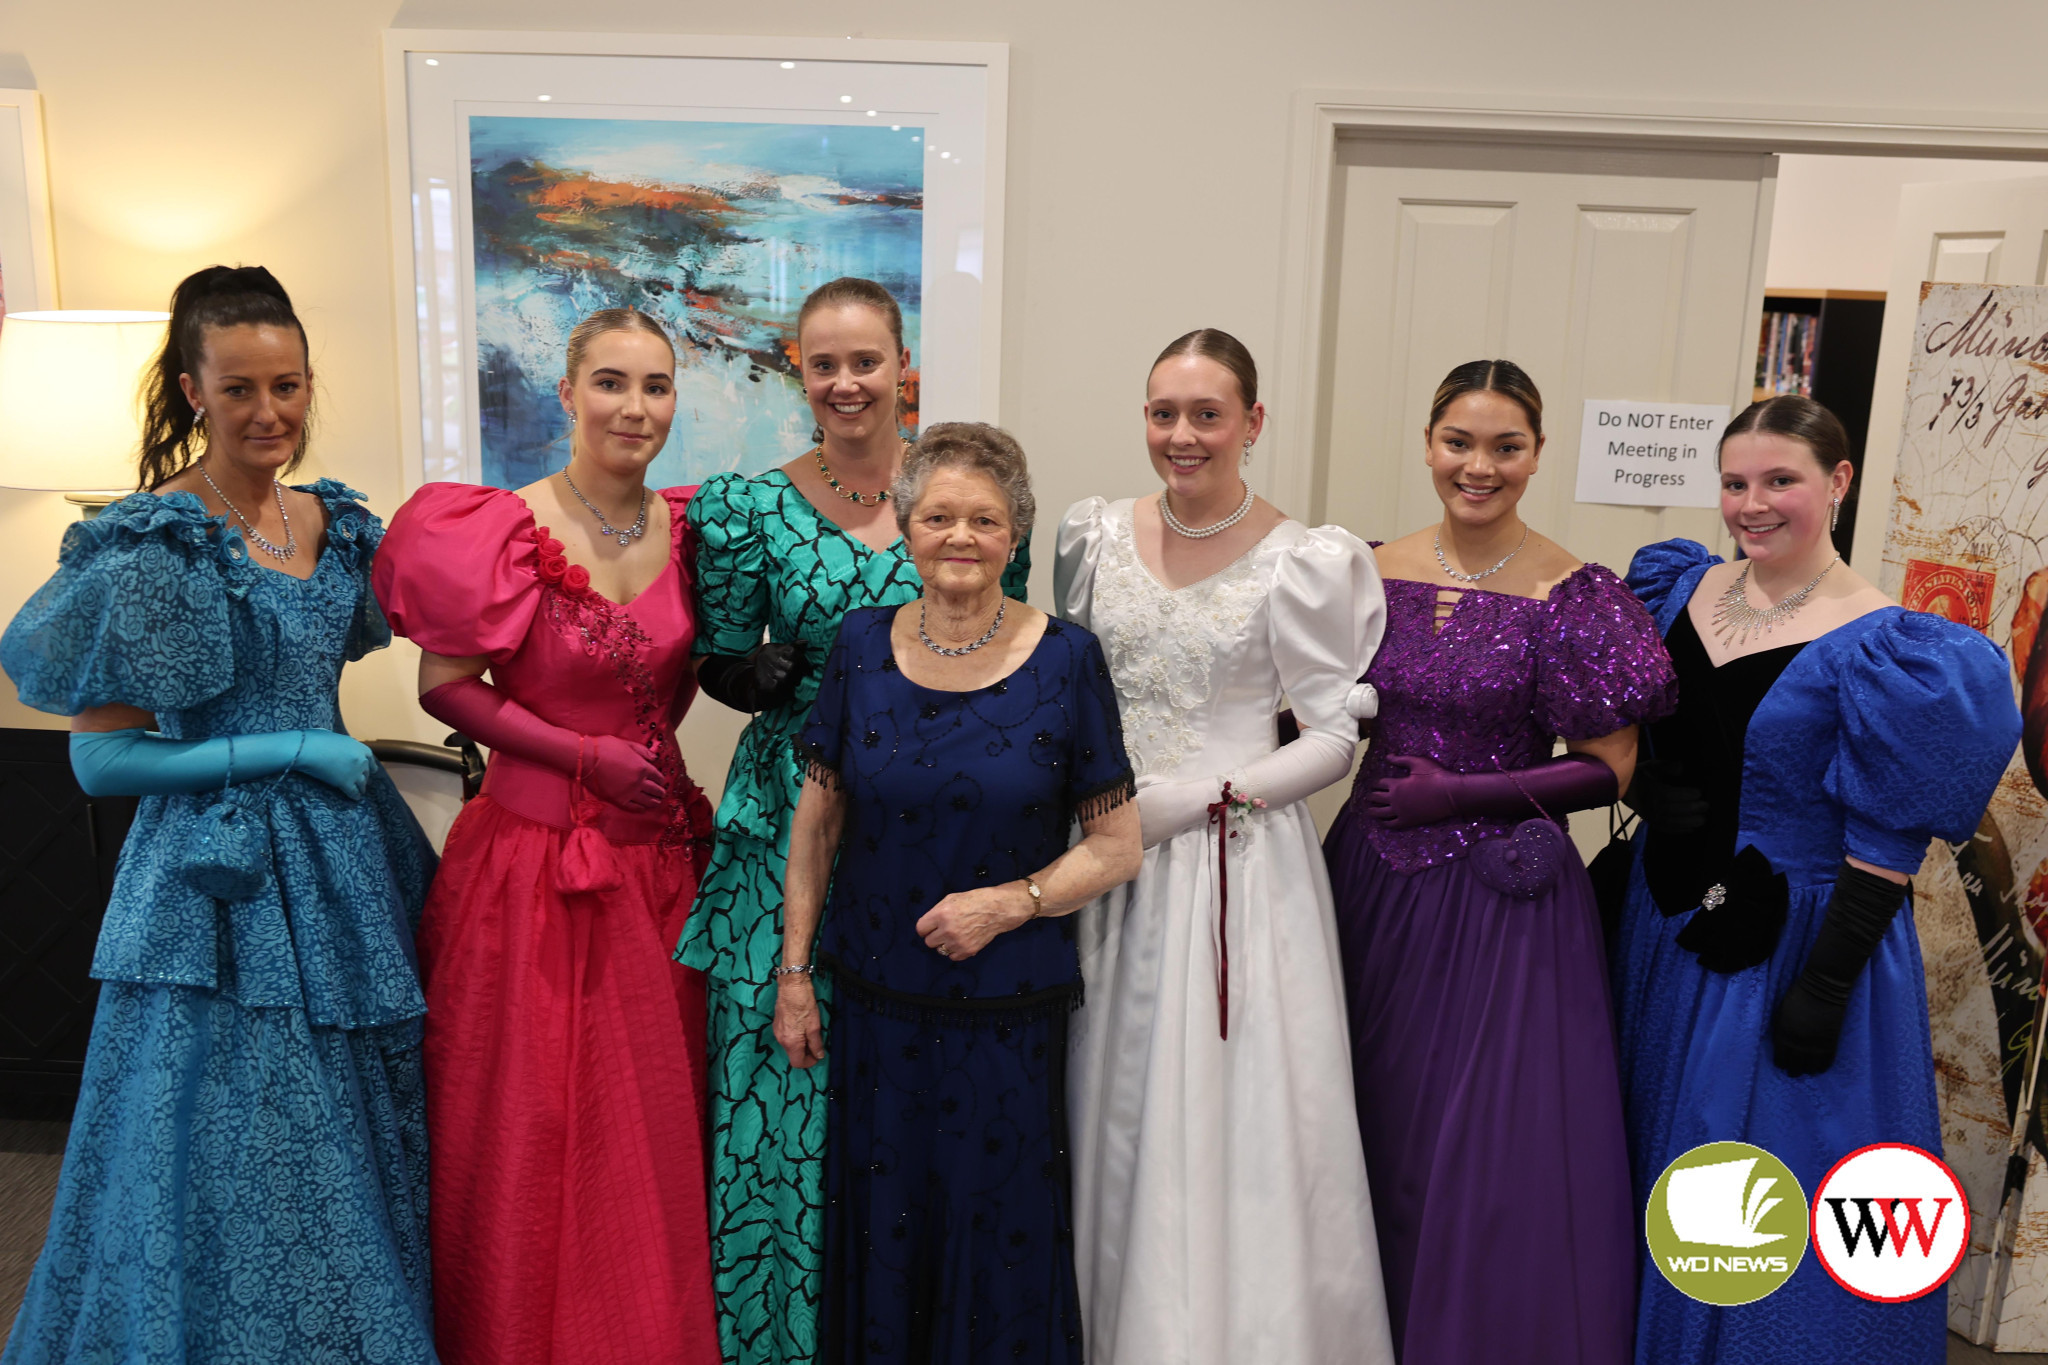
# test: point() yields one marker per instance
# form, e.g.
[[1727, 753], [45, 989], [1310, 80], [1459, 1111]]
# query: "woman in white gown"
[[1221, 1212]]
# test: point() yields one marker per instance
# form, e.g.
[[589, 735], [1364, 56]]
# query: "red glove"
[[613, 769]]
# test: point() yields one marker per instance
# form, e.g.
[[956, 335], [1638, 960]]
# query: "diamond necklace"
[[263, 542], [630, 533], [1179, 527], [1735, 620], [1445, 564], [1002, 603]]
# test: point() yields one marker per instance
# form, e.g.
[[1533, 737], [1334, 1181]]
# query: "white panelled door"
[[1604, 273], [1969, 232]]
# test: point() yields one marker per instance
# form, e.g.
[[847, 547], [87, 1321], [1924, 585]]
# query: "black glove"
[[1808, 1022], [758, 681], [1666, 805]]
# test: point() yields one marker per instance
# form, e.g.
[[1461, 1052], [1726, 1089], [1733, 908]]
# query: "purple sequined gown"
[[1482, 1042]]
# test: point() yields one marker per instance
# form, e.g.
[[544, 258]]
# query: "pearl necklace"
[[1735, 620], [1445, 564], [263, 542], [1002, 603], [604, 523], [1179, 527]]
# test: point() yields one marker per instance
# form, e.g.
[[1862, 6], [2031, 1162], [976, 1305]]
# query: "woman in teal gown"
[[789, 552], [245, 1179]]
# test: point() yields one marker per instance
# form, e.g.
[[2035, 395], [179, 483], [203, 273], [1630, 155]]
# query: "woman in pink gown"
[[564, 1048]]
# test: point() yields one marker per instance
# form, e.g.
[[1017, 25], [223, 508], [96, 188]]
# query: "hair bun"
[[217, 280]]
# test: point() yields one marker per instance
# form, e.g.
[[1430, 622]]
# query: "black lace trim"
[[980, 1011], [1104, 797], [811, 758]]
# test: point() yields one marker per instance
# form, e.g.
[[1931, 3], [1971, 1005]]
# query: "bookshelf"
[[1823, 343]]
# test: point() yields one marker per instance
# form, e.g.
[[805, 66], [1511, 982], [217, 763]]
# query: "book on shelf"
[[1785, 354]]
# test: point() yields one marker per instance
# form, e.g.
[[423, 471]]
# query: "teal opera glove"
[[142, 763]]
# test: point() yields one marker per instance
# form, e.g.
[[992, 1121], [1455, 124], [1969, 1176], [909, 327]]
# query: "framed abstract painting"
[[28, 258], [710, 182]]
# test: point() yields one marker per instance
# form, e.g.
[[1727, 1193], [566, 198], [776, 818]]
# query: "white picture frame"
[[28, 255], [436, 81]]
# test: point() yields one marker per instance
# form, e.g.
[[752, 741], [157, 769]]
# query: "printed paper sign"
[[1650, 454]]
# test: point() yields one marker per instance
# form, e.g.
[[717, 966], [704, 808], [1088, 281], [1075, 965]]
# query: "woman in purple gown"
[[1482, 1044]]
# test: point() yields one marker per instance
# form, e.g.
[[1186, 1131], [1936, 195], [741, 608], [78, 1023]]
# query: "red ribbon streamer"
[[1219, 816]]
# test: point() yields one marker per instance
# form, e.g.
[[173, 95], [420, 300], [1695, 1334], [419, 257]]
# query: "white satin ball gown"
[[1221, 1211]]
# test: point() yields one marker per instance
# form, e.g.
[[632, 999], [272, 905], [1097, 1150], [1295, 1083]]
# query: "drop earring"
[[198, 414], [1247, 451], [818, 434], [1013, 554], [1835, 514]]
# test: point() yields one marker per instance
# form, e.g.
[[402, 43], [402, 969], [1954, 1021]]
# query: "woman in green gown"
[[788, 552]]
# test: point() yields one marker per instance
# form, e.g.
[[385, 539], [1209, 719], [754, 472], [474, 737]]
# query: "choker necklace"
[[263, 542], [1179, 527], [1002, 603], [1445, 564], [625, 536], [859, 499], [1735, 620]]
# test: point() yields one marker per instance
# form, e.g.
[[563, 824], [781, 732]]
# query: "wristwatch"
[[1037, 896]]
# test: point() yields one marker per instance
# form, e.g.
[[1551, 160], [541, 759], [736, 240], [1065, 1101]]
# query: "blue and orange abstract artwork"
[[717, 229]]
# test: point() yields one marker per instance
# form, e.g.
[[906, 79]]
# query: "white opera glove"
[[1292, 773]]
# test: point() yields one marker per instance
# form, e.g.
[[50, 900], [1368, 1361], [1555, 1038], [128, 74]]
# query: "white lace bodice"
[[1202, 670]]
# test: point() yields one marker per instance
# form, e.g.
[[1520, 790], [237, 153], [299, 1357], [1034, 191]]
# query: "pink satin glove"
[[614, 770]]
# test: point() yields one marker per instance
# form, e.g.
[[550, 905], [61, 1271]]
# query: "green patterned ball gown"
[[767, 560]]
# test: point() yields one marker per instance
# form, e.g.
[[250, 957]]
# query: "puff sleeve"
[[455, 572], [1657, 571], [1928, 725], [1074, 559], [1326, 617], [354, 531], [136, 614], [732, 566], [1601, 664]]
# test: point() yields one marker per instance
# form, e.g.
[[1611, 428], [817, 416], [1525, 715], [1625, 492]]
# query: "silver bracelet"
[[806, 970]]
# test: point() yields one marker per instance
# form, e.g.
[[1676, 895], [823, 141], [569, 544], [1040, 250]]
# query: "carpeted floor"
[[30, 1154]]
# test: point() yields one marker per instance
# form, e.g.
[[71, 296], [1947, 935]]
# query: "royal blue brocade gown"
[[245, 1179], [1879, 736]]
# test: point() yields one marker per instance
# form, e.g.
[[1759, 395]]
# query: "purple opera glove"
[[1431, 794]]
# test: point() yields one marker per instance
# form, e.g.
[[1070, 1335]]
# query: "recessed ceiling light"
[[789, 66], [945, 154], [545, 98], [433, 61], [871, 113], [846, 99]]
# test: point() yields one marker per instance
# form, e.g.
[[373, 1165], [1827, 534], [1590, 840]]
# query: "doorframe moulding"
[[1320, 119]]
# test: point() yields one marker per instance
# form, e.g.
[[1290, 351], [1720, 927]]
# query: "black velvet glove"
[[1808, 1022], [1667, 805], [757, 681]]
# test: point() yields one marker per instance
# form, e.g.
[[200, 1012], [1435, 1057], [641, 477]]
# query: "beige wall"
[[1147, 153]]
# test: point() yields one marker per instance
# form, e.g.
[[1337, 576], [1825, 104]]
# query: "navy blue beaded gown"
[[1882, 734], [245, 1180], [948, 1235]]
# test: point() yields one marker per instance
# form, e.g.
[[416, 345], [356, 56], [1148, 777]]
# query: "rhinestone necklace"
[[1735, 620], [262, 542], [626, 536], [1179, 527], [1445, 564], [859, 499], [935, 647]]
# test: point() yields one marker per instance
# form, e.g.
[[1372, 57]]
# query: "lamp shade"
[[70, 411]]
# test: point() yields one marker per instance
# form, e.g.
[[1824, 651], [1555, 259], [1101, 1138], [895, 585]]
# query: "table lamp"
[[70, 402]]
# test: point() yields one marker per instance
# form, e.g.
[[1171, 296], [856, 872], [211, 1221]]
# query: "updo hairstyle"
[[611, 320], [976, 447], [851, 289], [218, 296], [1798, 419], [1503, 377], [1211, 343]]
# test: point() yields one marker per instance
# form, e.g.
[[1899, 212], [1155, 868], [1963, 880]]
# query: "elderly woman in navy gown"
[[1767, 976], [954, 742]]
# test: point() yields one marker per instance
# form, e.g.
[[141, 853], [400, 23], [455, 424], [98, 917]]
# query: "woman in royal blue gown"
[[1834, 734], [245, 1180]]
